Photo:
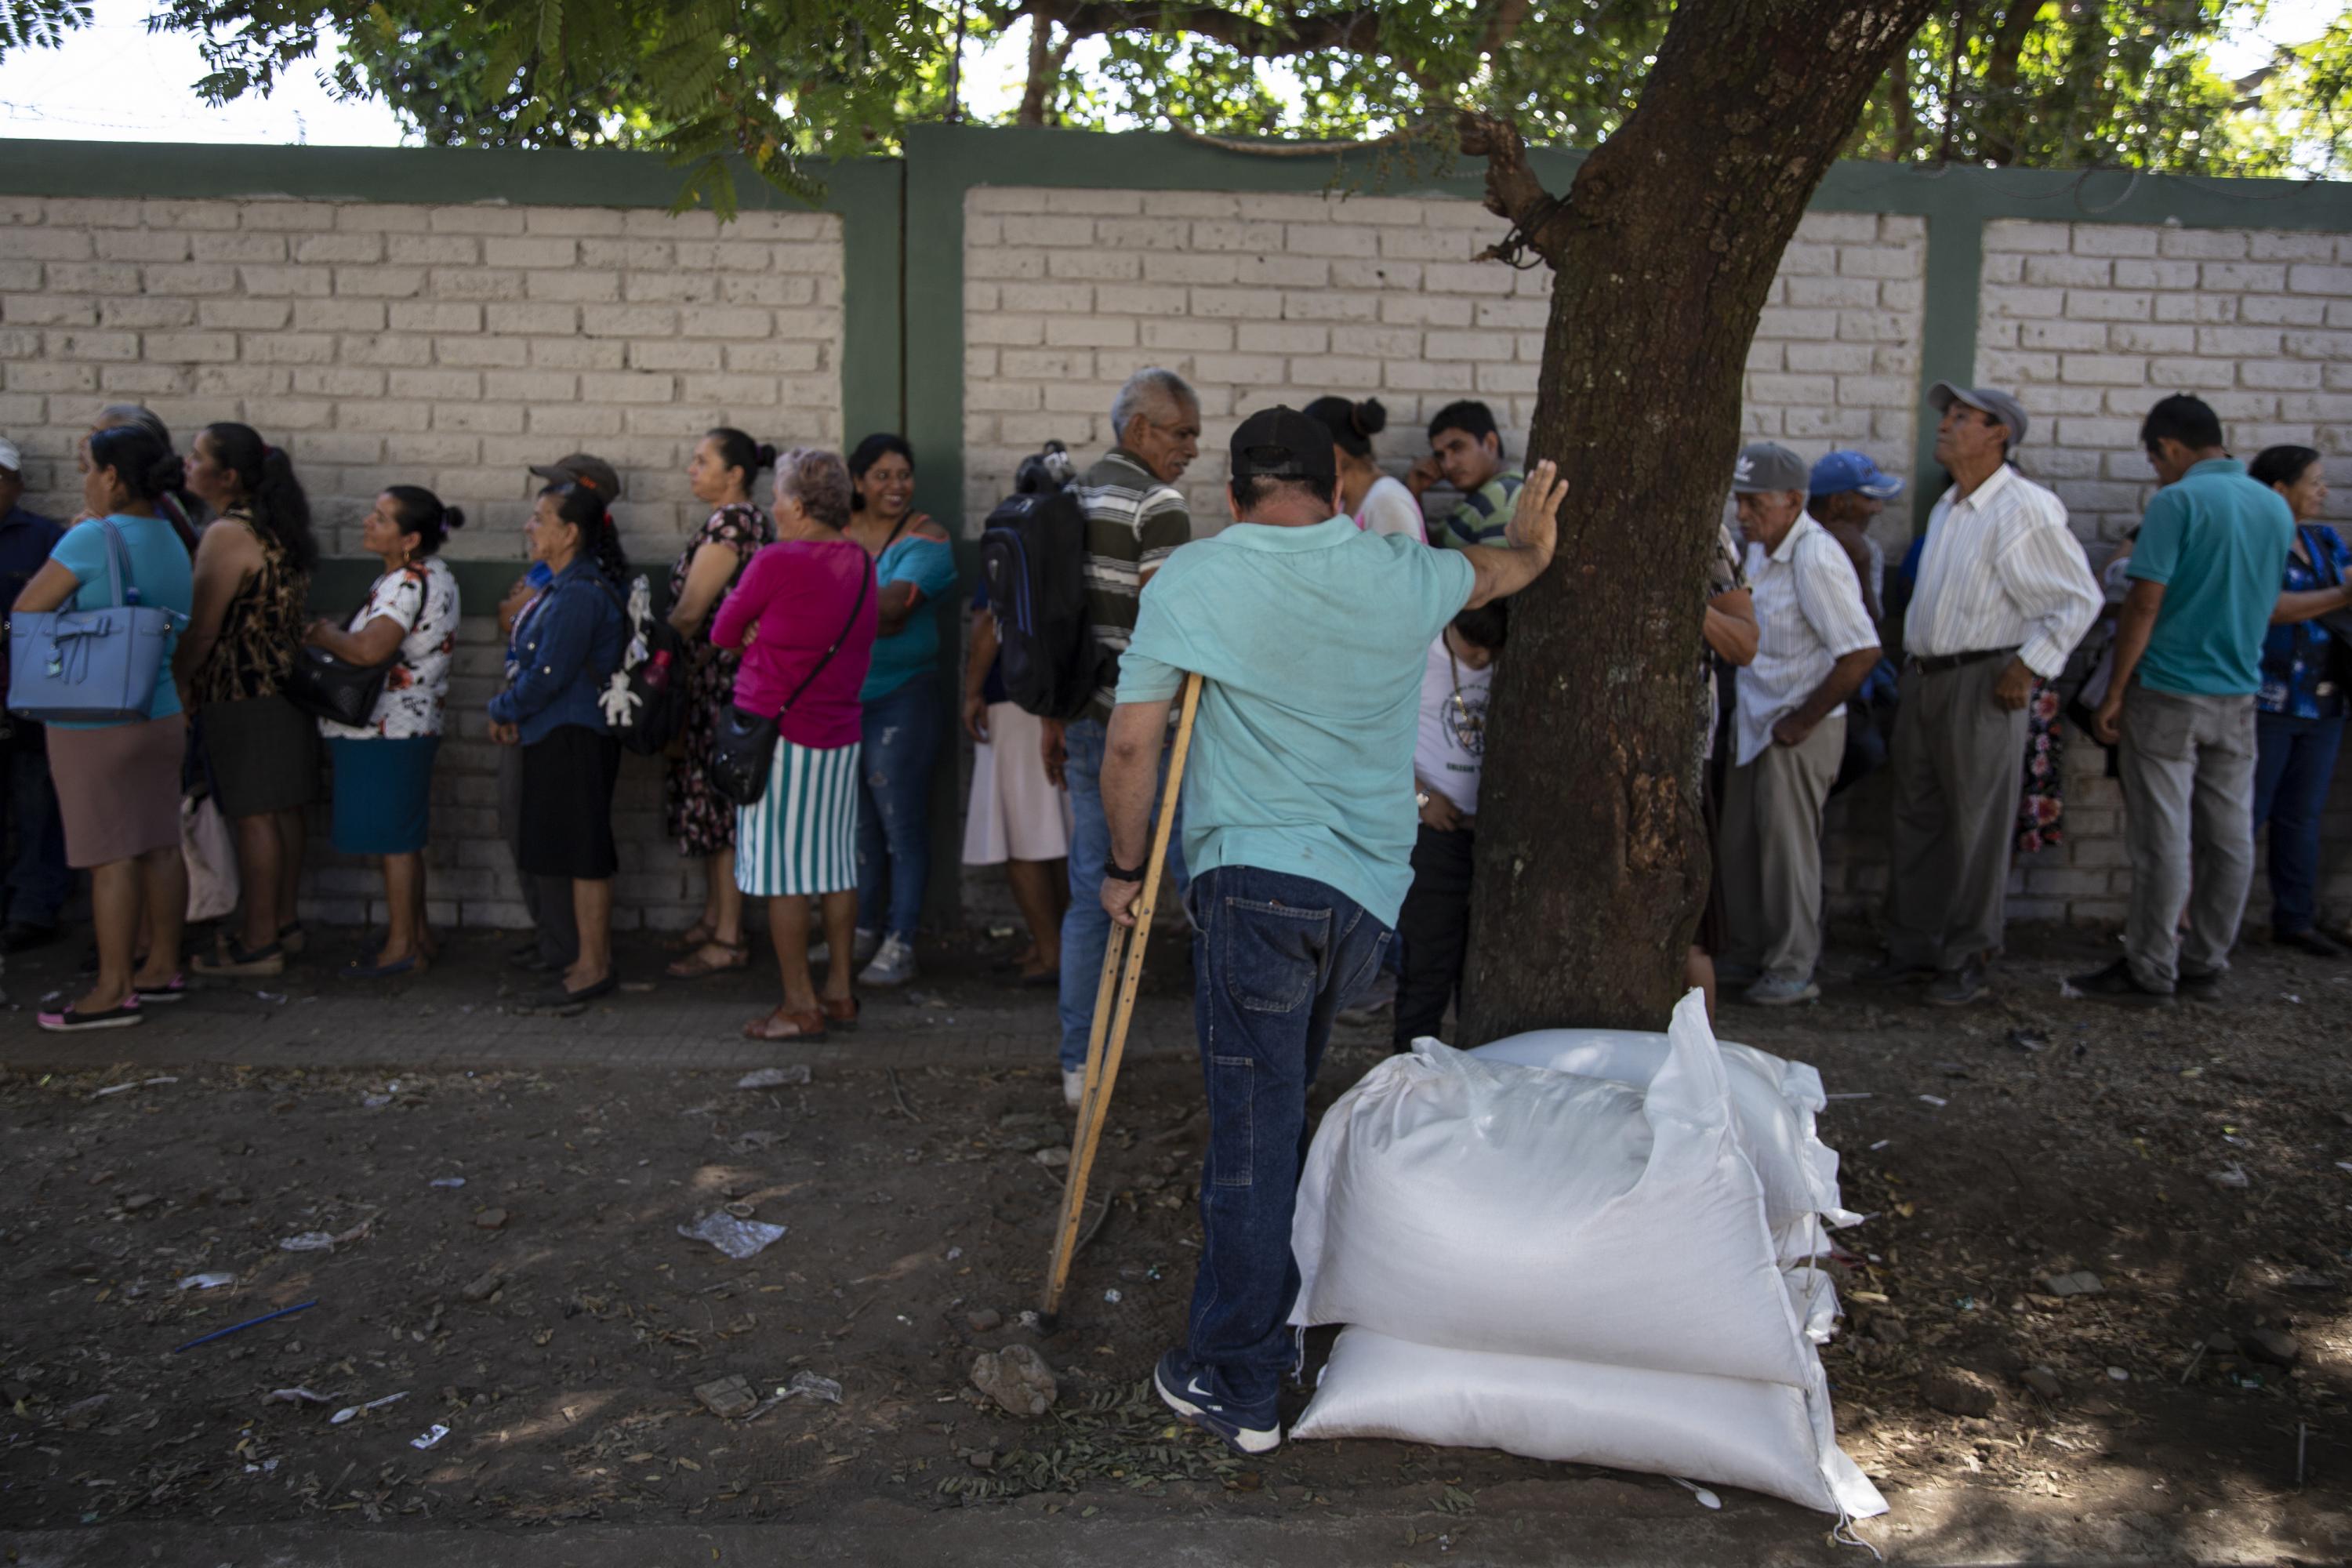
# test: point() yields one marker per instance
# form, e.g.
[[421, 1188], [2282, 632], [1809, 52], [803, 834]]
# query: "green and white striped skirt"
[[802, 836]]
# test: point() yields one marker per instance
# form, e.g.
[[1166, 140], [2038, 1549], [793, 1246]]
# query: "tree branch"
[[1512, 189], [1503, 24], [1357, 30]]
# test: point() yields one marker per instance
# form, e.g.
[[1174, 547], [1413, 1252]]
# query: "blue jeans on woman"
[[894, 807], [2294, 760], [1277, 957], [1086, 928]]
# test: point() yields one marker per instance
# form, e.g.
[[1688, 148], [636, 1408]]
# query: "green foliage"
[[2062, 83]]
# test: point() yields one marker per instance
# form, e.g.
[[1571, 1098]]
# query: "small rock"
[[490, 1219], [1955, 1391], [2304, 1280], [1052, 1159], [774, 1078], [984, 1320], [1017, 1378], [726, 1397], [2230, 1179], [2222, 1342], [2081, 1283], [2275, 1346], [2117, 1374], [1888, 1330], [982, 1458], [484, 1287], [2042, 1381], [138, 1201]]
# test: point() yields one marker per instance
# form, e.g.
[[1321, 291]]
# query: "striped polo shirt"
[[1484, 514], [1134, 523]]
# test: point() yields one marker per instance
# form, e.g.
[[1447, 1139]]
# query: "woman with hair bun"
[[726, 461], [177, 506], [253, 590], [551, 707], [384, 770], [119, 784], [1376, 500]]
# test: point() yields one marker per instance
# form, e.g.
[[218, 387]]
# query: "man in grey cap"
[[554, 946], [1815, 645], [2002, 597]]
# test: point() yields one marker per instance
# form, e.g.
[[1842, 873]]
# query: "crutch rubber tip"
[[1049, 1323]]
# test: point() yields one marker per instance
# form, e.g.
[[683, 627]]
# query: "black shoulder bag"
[[743, 745]]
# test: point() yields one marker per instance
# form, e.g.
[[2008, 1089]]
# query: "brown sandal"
[[841, 1014], [695, 966], [806, 1026], [699, 934]]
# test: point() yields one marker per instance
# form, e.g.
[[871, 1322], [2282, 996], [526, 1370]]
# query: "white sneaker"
[[861, 948], [1074, 1086], [894, 965]]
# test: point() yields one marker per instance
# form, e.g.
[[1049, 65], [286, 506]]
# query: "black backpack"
[[1033, 556], [645, 704]]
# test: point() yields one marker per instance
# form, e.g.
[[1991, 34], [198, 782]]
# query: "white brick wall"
[[2091, 323], [450, 347], [1256, 299]]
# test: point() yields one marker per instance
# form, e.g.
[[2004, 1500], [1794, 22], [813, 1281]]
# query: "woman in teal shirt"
[[913, 565], [119, 783]]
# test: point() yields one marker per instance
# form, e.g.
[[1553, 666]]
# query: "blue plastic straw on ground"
[[239, 1327]]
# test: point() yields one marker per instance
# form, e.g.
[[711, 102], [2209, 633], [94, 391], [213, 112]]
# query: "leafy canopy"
[[2070, 83]]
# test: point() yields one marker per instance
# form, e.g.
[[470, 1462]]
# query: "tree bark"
[[1591, 857]]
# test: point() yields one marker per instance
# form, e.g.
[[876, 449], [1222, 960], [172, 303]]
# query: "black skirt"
[[567, 804]]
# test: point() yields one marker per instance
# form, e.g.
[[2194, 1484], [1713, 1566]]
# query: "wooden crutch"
[[1122, 975]]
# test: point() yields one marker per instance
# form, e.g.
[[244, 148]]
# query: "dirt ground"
[[2197, 1161]]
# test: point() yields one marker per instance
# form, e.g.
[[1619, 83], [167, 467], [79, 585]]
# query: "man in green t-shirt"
[[2180, 709], [1465, 450]]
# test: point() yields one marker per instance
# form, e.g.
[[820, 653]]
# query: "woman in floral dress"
[[725, 463]]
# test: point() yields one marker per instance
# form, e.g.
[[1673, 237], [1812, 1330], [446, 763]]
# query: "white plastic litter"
[[1582, 1267], [738, 1238]]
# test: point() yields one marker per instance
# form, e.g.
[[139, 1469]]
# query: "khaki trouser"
[[1771, 840], [1958, 767], [2188, 767]]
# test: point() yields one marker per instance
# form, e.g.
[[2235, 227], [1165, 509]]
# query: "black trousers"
[[1435, 929]]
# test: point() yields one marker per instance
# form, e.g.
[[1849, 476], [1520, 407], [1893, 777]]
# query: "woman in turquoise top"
[[914, 564], [119, 783]]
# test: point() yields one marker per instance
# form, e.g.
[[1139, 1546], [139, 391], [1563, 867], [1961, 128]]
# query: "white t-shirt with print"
[[422, 598], [1451, 746]]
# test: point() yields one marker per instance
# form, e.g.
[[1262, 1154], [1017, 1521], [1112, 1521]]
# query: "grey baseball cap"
[[1991, 400], [1766, 467]]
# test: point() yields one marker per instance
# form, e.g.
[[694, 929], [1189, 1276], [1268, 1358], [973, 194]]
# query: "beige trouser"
[[1958, 767], [1771, 840], [2187, 767]]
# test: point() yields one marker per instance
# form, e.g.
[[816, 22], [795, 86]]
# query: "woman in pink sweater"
[[804, 616]]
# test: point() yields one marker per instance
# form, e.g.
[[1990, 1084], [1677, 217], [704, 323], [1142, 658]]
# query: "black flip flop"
[[68, 1021]]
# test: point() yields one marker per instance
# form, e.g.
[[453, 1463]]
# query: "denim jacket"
[[569, 650]]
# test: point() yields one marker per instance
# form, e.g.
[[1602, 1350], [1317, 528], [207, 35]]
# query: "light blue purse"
[[92, 667]]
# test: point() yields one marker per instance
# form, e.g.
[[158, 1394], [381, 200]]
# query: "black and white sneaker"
[[1188, 1390]]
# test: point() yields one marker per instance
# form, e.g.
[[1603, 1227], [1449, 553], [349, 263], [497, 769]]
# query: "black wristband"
[[1115, 873]]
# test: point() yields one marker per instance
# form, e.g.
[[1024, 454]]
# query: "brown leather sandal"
[[841, 1014], [804, 1027], [696, 966], [699, 934]]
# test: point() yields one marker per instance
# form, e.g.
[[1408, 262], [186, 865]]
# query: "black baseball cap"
[[1281, 443]]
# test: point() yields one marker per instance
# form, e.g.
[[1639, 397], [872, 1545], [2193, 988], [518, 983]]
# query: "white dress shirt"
[[2001, 569], [1809, 615]]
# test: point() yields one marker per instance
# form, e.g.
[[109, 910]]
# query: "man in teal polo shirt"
[[2189, 642], [1311, 636]]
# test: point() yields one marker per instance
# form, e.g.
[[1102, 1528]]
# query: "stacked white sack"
[[1581, 1267]]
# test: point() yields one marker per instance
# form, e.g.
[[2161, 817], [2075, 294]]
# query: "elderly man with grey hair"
[[1136, 520], [1814, 646]]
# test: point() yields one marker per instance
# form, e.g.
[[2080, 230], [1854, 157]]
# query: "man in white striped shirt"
[[2003, 596], [1815, 643]]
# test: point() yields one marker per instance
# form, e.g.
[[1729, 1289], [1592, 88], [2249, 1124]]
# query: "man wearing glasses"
[[1136, 519]]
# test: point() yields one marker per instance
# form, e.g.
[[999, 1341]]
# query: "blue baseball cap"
[[1842, 471]]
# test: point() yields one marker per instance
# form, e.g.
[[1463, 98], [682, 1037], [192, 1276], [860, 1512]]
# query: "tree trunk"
[[1591, 859]]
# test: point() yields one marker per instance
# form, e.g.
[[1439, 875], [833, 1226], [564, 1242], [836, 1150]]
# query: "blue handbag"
[[95, 666]]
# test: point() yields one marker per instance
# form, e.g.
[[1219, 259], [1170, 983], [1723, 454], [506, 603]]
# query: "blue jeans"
[[2296, 758], [1086, 929], [38, 878], [1275, 958], [894, 807]]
